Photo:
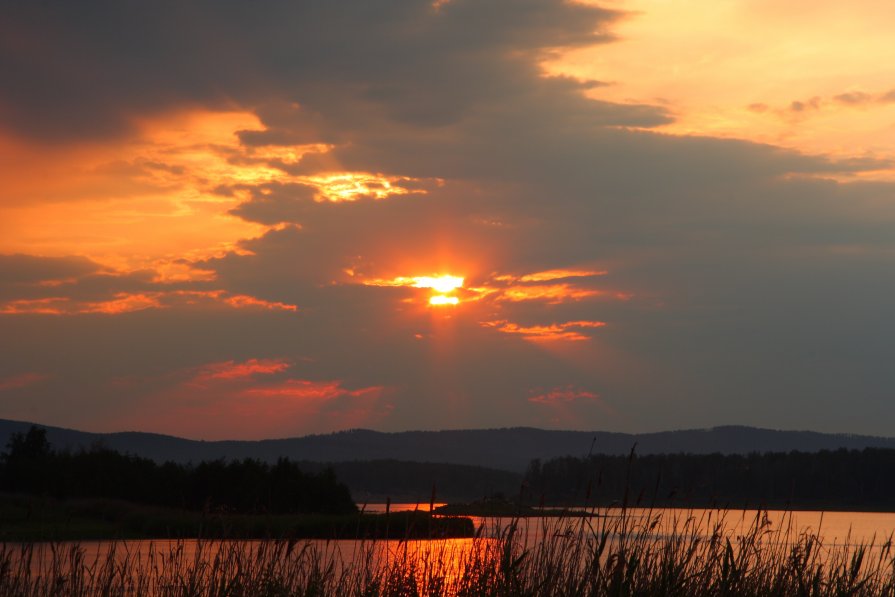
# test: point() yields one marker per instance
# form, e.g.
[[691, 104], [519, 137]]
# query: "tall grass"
[[616, 553]]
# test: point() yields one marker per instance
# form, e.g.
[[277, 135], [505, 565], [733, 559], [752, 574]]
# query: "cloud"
[[853, 98], [304, 389], [351, 59], [230, 370], [21, 380], [19, 269], [563, 394], [848, 99], [72, 285], [805, 105], [566, 331]]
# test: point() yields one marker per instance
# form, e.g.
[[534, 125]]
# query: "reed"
[[613, 553]]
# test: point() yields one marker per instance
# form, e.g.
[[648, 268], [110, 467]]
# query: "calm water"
[[833, 528]]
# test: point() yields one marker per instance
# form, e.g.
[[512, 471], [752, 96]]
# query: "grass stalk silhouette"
[[616, 552]]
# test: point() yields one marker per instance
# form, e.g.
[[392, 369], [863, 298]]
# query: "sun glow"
[[441, 284], [352, 186], [444, 285], [440, 300]]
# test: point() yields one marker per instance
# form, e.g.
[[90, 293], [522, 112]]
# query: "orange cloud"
[[230, 370], [22, 380], [250, 399], [312, 390], [550, 275], [569, 331], [551, 293], [352, 186], [563, 394], [795, 57], [109, 200], [124, 302], [442, 286], [553, 286], [244, 301], [45, 306], [440, 283]]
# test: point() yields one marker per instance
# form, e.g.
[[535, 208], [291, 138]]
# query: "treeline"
[[30, 466], [402, 481], [841, 479]]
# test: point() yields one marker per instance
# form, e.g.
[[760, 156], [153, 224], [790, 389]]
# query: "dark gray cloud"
[[31, 269], [87, 69], [853, 99]]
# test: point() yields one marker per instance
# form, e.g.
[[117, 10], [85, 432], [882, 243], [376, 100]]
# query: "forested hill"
[[825, 480], [508, 449]]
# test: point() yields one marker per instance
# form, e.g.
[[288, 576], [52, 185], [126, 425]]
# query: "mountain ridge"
[[508, 448]]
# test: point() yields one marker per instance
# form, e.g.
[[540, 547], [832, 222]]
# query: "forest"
[[825, 480], [31, 466]]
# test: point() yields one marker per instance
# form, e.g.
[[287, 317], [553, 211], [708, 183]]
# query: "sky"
[[224, 219]]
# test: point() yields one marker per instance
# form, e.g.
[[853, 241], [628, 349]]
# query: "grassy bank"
[[30, 518], [599, 556]]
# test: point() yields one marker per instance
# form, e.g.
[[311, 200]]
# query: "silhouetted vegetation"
[[841, 480], [33, 518], [30, 466], [403, 481], [624, 554]]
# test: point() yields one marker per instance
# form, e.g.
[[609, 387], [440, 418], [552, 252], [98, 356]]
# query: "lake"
[[159, 563], [833, 528]]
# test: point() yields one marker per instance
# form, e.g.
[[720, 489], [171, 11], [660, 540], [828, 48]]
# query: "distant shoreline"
[[27, 518]]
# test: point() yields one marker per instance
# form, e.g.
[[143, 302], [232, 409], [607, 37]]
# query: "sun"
[[442, 284], [441, 300]]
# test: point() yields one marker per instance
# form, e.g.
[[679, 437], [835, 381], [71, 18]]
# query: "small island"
[[501, 507]]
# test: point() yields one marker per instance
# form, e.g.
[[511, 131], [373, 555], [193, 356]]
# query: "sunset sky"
[[228, 219]]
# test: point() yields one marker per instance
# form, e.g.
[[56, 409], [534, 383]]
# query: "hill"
[[508, 449]]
